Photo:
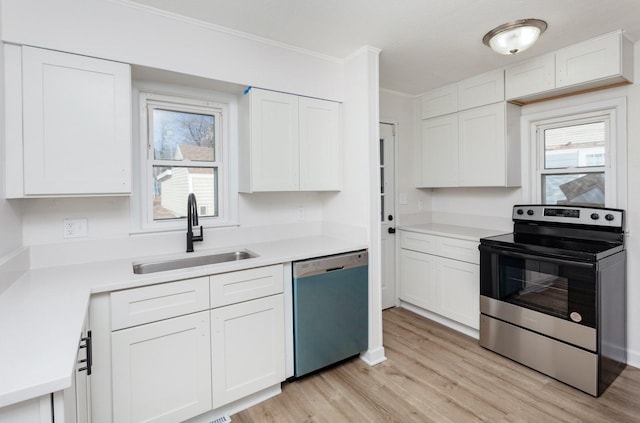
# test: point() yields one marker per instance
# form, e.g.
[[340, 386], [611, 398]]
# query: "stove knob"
[[595, 216], [520, 211], [530, 212], [609, 217]]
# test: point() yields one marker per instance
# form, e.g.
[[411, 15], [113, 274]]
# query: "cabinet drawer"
[[418, 242], [458, 249], [234, 287], [157, 302]]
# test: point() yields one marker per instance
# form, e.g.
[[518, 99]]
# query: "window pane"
[[574, 146], [183, 136], [573, 188], [171, 189]]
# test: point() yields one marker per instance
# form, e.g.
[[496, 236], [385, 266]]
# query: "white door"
[[387, 218]]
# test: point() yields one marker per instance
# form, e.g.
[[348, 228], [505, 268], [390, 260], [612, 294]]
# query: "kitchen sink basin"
[[181, 263]]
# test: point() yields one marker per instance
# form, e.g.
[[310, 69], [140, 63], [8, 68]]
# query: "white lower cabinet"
[[247, 348], [418, 279], [444, 279], [36, 410], [184, 348], [162, 370], [458, 291]]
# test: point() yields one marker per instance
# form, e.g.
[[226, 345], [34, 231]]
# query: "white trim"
[[373, 356], [225, 30], [185, 98], [618, 152]]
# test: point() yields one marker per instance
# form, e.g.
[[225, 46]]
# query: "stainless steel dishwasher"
[[330, 310]]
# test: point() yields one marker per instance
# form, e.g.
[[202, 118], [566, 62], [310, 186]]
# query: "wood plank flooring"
[[435, 374]]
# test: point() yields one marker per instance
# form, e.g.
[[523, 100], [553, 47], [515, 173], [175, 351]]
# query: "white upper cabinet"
[[531, 76], [604, 57], [481, 90], [273, 148], [320, 147], [439, 102], [475, 147], [439, 152], [289, 143], [593, 64], [489, 152], [76, 125]]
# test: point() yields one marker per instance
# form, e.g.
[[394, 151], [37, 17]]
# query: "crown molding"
[[219, 28]]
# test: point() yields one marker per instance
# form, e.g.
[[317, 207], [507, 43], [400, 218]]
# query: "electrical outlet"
[[300, 212], [420, 205], [75, 228]]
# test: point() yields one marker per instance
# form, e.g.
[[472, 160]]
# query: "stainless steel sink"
[[181, 263]]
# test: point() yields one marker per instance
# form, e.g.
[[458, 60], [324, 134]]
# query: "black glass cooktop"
[[554, 246]]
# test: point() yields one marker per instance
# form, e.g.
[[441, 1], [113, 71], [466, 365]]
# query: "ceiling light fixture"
[[514, 37]]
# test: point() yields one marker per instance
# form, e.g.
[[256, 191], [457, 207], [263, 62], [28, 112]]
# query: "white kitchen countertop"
[[452, 231], [42, 313]]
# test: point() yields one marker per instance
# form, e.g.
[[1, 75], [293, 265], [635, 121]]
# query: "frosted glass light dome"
[[514, 37]]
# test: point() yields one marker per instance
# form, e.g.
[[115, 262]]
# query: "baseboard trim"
[[373, 356], [474, 333]]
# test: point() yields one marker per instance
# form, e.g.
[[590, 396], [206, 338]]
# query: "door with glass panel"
[[387, 215]]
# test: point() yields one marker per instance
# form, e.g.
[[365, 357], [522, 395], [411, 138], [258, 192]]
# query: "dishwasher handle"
[[333, 269]]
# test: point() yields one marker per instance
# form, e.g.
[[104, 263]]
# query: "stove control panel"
[[593, 216]]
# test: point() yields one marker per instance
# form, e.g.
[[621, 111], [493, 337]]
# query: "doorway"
[[387, 215]]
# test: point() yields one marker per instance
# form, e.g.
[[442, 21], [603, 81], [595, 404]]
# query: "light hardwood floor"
[[435, 374]]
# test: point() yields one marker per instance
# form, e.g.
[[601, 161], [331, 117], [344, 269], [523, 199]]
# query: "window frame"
[[189, 100], [616, 108], [566, 121]]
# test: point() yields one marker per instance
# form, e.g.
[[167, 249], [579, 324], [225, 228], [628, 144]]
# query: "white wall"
[[10, 219], [111, 29], [403, 110], [116, 30], [357, 206]]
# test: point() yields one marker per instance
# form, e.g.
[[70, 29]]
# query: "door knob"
[[391, 230]]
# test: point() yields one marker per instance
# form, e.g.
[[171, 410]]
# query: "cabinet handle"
[[89, 360]]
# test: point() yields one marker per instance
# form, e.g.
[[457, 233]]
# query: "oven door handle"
[[515, 254]]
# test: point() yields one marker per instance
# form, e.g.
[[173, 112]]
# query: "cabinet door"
[[459, 291], [590, 60], [247, 348], [530, 77], [274, 141], [36, 410], [418, 279], [480, 90], [482, 146], [77, 124], [162, 370], [439, 152], [320, 145], [441, 101]]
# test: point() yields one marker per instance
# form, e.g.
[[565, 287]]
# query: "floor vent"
[[222, 419]]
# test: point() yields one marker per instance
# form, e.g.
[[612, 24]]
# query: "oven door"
[[552, 296]]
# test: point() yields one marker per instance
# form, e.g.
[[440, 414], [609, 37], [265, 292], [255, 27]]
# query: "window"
[[183, 151], [572, 165], [577, 153]]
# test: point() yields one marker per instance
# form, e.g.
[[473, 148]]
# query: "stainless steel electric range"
[[553, 293]]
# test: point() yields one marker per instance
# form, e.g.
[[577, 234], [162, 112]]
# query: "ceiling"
[[425, 43]]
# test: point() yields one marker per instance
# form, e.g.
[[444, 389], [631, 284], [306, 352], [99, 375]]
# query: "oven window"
[[558, 290]]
